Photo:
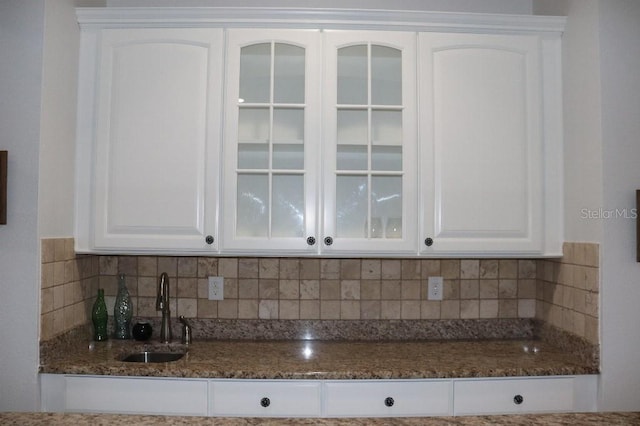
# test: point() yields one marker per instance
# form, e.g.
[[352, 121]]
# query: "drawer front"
[[136, 395], [265, 398], [382, 398], [513, 396]]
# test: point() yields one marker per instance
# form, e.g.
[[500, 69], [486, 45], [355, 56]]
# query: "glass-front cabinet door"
[[369, 142], [271, 141]]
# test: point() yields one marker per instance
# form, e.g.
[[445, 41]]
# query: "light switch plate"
[[435, 288], [216, 288]]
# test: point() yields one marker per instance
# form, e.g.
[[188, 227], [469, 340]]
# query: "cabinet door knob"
[[388, 401], [518, 399], [311, 240], [328, 241], [428, 242], [265, 402], [209, 239]]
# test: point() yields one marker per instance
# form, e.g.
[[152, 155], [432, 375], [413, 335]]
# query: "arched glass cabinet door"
[[271, 140], [370, 182]]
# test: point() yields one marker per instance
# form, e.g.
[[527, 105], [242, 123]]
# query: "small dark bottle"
[[99, 317], [142, 331]]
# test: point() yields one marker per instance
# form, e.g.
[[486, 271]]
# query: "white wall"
[[21, 30], [620, 290], [480, 6]]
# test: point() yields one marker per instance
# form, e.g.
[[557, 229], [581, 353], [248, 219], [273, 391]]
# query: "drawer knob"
[[265, 402], [311, 240], [518, 399], [388, 401], [428, 242], [209, 239], [328, 241]]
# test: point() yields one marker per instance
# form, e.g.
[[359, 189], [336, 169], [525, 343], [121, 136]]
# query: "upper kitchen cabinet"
[[148, 139], [271, 140], [370, 143], [490, 136]]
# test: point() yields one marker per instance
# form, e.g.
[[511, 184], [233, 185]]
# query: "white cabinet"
[[265, 398], [129, 395], [387, 398], [483, 143], [148, 139]]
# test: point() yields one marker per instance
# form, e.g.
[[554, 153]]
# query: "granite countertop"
[[583, 419], [312, 359]]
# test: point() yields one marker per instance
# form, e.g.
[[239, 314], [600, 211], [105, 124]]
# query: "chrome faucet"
[[162, 304]]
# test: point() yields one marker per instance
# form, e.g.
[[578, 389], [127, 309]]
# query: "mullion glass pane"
[[386, 76], [288, 205], [252, 216], [352, 75], [386, 202], [352, 206], [255, 73], [288, 79]]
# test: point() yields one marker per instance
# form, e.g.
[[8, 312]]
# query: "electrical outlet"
[[216, 288], [435, 288]]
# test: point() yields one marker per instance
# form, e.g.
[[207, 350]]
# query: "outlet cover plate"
[[435, 289], [216, 288]]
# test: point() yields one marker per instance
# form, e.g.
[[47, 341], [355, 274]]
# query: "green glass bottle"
[[122, 311], [99, 317]]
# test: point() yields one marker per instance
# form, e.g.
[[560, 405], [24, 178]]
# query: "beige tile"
[[289, 269], [203, 288], [289, 309], [248, 288], [350, 290], [450, 309], [228, 308], [46, 275], [390, 290], [371, 269], [147, 286], [591, 329], [230, 288], [248, 268], [69, 248], [451, 289], [228, 267], [330, 269], [391, 269], [58, 297], [429, 268], [507, 308], [46, 300], [469, 268], [268, 309], [489, 268], [508, 268], [147, 307], [46, 326], [429, 309], [59, 250], [565, 274], [58, 273], [330, 290], [489, 308], [591, 304], [450, 268], [526, 308], [507, 288], [188, 267], [310, 269], [410, 269], [370, 289], [207, 266], [268, 289], [148, 266], [579, 324], [350, 269], [527, 288], [128, 265], [309, 309], [289, 289], [110, 285], [329, 309], [592, 254], [568, 252], [350, 309], [469, 289], [370, 309], [248, 308], [410, 289], [527, 269], [71, 272], [390, 309], [410, 309], [187, 287], [47, 246], [469, 309], [269, 268], [568, 295], [310, 289], [187, 307], [68, 317], [207, 308]]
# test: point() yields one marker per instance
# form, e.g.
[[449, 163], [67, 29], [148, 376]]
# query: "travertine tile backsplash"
[[310, 288]]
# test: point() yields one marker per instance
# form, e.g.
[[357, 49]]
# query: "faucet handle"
[[186, 330]]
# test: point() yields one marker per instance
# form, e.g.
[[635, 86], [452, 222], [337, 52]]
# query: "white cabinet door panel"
[[136, 395], [290, 398], [505, 396], [381, 398]]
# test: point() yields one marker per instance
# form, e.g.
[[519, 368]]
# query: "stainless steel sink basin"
[[153, 357]]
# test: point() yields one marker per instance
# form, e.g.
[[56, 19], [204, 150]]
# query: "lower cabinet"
[[317, 398]]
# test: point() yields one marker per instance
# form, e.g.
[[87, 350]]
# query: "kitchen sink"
[[147, 357]]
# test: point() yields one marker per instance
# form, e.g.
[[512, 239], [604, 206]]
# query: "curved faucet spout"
[[162, 304]]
